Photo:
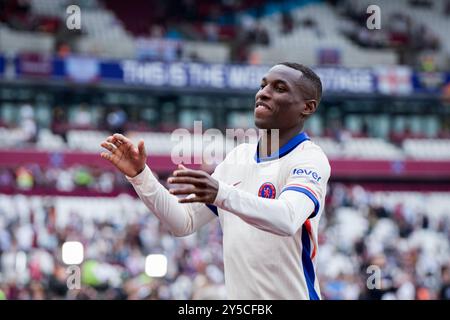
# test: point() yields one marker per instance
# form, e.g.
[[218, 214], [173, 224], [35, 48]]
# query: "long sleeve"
[[181, 219], [282, 216]]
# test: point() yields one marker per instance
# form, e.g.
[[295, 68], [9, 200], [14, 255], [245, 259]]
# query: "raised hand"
[[125, 156], [203, 186]]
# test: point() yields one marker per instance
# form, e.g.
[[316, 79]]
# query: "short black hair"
[[313, 80]]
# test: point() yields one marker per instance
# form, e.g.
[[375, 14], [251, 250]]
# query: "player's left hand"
[[203, 186]]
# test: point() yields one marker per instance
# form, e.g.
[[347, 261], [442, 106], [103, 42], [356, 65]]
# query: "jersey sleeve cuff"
[[222, 194], [141, 177]]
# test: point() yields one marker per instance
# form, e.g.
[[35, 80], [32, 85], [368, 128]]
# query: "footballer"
[[269, 202]]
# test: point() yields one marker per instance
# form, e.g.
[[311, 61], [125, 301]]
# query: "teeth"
[[262, 106]]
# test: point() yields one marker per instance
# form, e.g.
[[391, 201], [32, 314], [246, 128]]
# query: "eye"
[[262, 86], [280, 88]]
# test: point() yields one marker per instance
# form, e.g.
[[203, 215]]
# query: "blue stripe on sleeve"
[[309, 194]]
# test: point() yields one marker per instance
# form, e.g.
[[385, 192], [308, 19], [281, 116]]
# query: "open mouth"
[[262, 105]]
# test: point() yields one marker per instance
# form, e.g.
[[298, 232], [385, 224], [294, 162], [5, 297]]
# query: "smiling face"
[[284, 99]]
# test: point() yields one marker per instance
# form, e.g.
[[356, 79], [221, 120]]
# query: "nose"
[[263, 94]]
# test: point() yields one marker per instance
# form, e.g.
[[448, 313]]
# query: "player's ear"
[[310, 107]]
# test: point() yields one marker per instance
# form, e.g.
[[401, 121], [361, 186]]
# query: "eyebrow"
[[277, 81]]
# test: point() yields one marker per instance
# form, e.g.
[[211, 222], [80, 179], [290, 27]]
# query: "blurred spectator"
[[116, 120], [444, 293], [249, 32], [28, 124], [82, 117], [287, 22], [83, 177], [258, 35], [59, 122], [6, 177], [212, 32], [24, 179], [64, 181]]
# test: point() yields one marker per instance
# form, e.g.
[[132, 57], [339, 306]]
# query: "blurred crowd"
[[400, 32], [373, 246], [17, 14], [359, 233], [40, 179], [26, 125], [159, 26], [116, 242]]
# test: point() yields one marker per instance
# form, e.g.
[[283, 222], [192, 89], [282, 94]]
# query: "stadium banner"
[[430, 82], [34, 65], [82, 69], [179, 74], [194, 75], [336, 80], [394, 81], [342, 80], [238, 77], [2, 65], [75, 69]]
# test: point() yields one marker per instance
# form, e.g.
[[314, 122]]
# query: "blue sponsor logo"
[[306, 172]]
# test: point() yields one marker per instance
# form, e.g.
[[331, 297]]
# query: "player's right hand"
[[123, 154]]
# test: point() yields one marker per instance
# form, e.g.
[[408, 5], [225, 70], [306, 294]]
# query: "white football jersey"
[[269, 211], [258, 263]]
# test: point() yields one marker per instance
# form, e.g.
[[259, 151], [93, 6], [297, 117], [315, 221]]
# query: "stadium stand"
[[359, 226], [163, 144], [427, 148], [383, 122], [332, 31]]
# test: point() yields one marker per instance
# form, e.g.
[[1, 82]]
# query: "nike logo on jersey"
[[235, 184]]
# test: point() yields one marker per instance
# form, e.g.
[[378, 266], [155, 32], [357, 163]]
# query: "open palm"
[[124, 155]]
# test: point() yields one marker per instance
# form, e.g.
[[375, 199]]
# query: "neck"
[[268, 144]]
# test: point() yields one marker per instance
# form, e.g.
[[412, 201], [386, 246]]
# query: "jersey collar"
[[285, 149]]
